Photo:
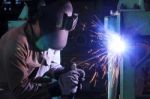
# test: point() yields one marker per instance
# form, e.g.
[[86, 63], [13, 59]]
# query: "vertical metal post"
[[127, 76], [112, 23]]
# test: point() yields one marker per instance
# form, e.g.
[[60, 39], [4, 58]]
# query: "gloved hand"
[[52, 72], [69, 81]]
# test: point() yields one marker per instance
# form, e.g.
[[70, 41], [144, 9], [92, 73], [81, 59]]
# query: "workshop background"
[[81, 42]]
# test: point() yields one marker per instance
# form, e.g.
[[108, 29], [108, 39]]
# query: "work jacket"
[[21, 63]]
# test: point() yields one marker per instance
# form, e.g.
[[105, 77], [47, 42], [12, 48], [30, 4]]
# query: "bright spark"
[[116, 44]]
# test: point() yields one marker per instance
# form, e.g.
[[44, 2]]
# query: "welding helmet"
[[56, 20]]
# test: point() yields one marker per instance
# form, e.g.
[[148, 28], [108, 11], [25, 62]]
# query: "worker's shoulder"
[[13, 39], [15, 34]]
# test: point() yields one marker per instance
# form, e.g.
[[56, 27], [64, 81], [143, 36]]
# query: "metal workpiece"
[[132, 23]]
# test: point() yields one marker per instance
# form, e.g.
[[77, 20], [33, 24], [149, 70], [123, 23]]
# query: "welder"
[[30, 54]]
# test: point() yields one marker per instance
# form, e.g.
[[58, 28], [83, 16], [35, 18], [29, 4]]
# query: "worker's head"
[[54, 19]]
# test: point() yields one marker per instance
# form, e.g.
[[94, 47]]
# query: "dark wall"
[[6, 15]]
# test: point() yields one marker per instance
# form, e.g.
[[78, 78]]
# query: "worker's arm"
[[18, 80]]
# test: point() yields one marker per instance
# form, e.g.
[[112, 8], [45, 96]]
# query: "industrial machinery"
[[132, 23]]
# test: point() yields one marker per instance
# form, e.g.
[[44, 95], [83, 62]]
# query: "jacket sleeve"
[[18, 80]]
